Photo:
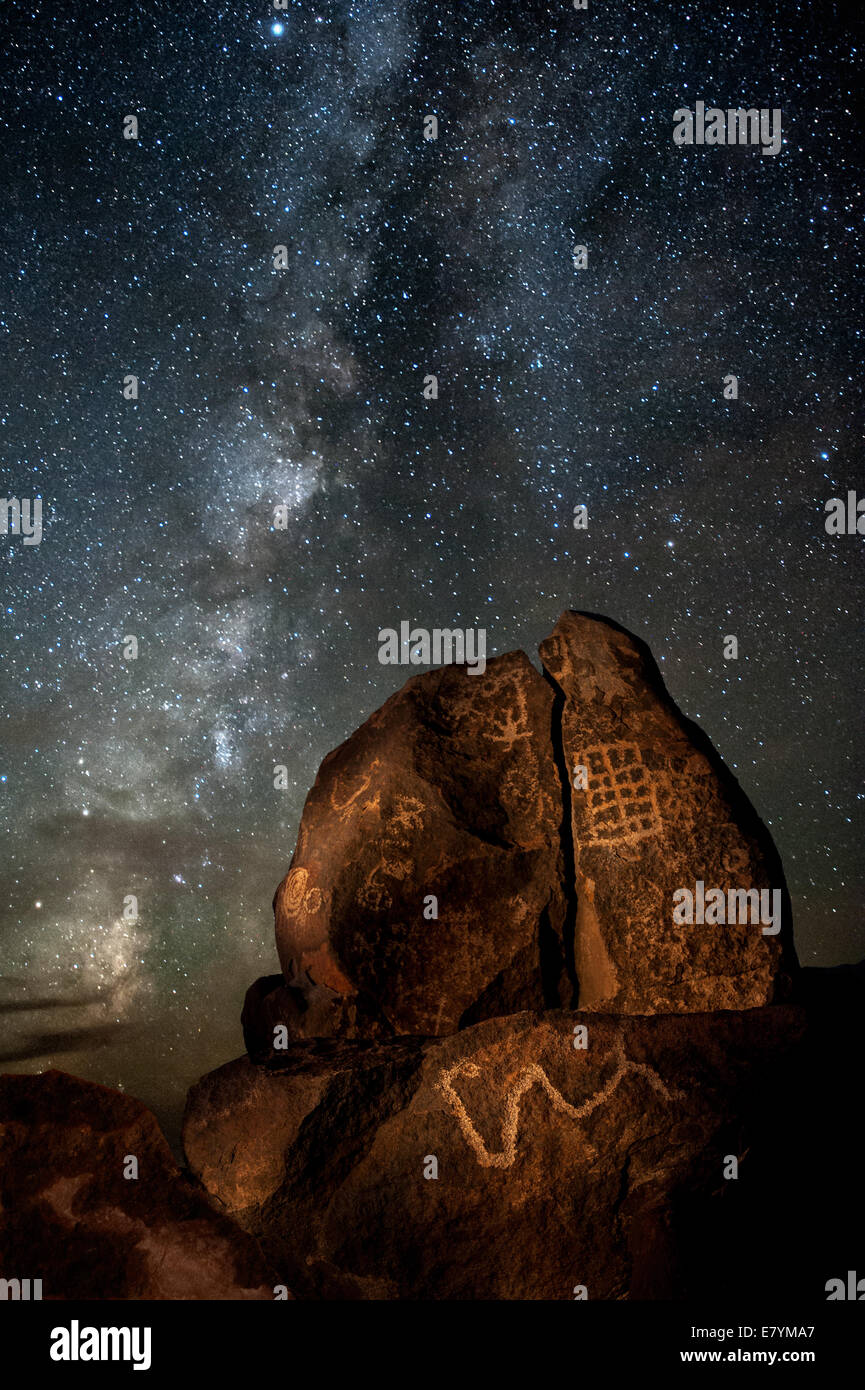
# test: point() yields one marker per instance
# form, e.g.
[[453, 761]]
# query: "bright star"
[[277, 29]]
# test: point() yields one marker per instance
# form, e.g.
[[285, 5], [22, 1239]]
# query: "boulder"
[[502, 1162], [463, 797], [658, 812], [300, 1009], [426, 889], [69, 1216]]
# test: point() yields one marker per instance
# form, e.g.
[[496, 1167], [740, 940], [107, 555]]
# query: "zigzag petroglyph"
[[524, 1082]]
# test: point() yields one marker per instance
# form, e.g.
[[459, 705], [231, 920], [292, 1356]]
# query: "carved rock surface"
[[462, 788], [69, 1217], [556, 1166], [449, 791], [660, 812]]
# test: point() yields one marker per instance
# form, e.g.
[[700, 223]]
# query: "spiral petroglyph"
[[295, 889]]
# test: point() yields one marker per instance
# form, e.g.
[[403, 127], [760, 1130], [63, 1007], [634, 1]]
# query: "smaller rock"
[[69, 1217], [302, 1009], [502, 1162]]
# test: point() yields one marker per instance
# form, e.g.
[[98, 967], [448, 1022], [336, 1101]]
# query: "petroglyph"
[[341, 799], [300, 898], [620, 798], [522, 1083], [395, 861], [407, 818], [509, 715], [313, 901], [295, 888]]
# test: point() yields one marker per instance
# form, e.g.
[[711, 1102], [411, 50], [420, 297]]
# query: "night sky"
[[304, 387]]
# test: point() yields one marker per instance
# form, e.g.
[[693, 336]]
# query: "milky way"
[[304, 387]]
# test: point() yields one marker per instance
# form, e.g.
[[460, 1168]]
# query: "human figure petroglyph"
[[509, 717]]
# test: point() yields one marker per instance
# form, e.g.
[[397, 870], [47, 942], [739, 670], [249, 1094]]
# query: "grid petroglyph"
[[620, 798]]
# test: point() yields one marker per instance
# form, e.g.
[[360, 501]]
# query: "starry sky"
[[304, 387]]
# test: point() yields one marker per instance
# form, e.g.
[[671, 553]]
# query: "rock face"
[[501, 1162], [70, 1218], [462, 789], [660, 812], [449, 791], [422, 1114]]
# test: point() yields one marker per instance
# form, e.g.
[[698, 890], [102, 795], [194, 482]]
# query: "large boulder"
[[426, 889], [501, 1162], [70, 1217], [659, 812], [548, 822]]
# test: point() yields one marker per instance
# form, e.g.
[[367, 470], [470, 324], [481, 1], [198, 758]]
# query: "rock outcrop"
[[69, 1216], [548, 824], [500, 1162], [426, 888], [422, 1114], [653, 810]]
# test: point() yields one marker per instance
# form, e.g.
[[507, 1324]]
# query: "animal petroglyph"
[[620, 798], [522, 1083], [342, 798]]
